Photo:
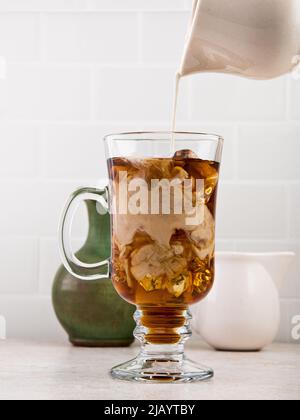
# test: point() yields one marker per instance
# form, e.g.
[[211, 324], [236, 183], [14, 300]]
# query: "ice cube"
[[205, 170], [150, 169], [150, 283], [202, 236], [185, 154], [179, 173], [177, 286]]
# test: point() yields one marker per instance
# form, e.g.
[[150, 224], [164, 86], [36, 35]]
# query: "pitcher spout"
[[277, 265]]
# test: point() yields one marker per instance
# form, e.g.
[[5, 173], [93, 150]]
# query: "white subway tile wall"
[[294, 99], [168, 48], [252, 211], [229, 98], [91, 37], [139, 4], [44, 92], [135, 94], [43, 5], [65, 152], [20, 36], [19, 155], [75, 70], [262, 155], [19, 265]]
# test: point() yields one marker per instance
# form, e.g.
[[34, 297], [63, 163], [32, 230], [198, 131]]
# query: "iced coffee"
[[163, 229]]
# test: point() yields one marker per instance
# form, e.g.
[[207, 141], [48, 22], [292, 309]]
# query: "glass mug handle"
[[74, 266]]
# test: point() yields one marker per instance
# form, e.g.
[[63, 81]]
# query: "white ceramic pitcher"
[[242, 312], [253, 38]]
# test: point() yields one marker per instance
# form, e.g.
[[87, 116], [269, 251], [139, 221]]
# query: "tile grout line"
[[288, 99], [43, 36], [289, 211], [93, 10], [190, 99], [93, 93], [236, 141], [290, 300], [228, 123], [39, 266], [140, 31], [41, 151], [262, 241]]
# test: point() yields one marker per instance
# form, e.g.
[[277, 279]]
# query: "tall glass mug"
[[162, 207]]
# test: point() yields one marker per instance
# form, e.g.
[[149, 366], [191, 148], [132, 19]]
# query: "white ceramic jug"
[[253, 38], [242, 312]]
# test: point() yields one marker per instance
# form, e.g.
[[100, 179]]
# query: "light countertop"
[[30, 370]]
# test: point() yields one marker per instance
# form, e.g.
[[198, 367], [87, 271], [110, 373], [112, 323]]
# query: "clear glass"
[[162, 199]]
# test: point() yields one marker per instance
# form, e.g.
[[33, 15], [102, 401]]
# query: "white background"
[[79, 69]]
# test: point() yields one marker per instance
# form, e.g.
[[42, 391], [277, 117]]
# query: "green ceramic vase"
[[91, 312]]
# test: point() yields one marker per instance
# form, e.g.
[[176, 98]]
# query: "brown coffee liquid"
[[160, 269]]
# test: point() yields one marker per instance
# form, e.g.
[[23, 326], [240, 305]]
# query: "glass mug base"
[[162, 357], [164, 368]]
